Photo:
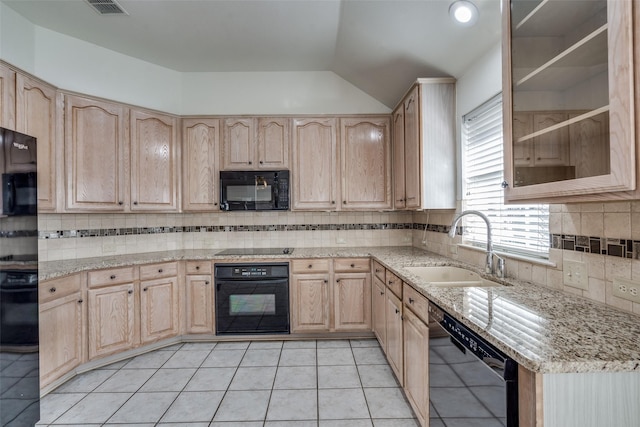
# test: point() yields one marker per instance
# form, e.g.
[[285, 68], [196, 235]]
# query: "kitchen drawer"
[[417, 302], [112, 276], [394, 283], [156, 271], [198, 267], [351, 265], [310, 266], [61, 287], [379, 270]]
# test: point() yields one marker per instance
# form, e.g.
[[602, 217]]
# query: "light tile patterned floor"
[[332, 383]]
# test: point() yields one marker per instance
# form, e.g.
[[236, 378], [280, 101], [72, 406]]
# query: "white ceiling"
[[380, 46]]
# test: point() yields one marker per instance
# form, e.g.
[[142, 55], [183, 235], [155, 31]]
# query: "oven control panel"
[[251, 271]]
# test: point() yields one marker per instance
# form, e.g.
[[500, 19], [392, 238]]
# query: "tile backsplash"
[[605, 236]]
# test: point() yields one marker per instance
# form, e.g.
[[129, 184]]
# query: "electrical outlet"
[[575, 274], [626, 289], [341, 241]]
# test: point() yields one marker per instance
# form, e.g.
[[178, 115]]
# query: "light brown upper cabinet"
[[37, 114], [255, 143], [315, 151], [365, 152], [119, 160], [568, 100], [424, 146], [154, 166], [200, 144], [351, 171], [7, 97], [96, 153]]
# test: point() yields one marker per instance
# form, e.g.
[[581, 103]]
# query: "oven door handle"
[[28, 288], [11, 195]]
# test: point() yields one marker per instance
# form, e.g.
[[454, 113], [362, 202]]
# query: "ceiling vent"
[[107, 7]]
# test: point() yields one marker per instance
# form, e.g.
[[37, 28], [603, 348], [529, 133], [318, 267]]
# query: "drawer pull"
[[159, 270], [113, 276], [353, 265], [391, 282], [397, 311], [52, 290], [377, 270], [310, 266], [130, 291], [411, 300], [381, 293]]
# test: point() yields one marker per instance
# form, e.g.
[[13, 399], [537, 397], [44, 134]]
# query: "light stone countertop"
[[542, 329]]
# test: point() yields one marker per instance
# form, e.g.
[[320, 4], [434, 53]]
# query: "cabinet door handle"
[[381, 293], [130, 291], [505, 184], [391, 282], [52, 290], [397, 311], [411, 300], [113, 276]]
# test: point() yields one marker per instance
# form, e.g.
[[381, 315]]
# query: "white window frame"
[[517, 229]]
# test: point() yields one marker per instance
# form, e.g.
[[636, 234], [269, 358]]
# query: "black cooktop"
[[256, 251]]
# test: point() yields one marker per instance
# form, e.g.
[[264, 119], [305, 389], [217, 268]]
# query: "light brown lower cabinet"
[[111, 319], [159, 309], [199, 298], [394, 348], [378, 312], [330, 295], [416, 365], [62, 336]]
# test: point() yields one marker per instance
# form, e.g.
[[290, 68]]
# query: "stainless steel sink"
[[450, 277]]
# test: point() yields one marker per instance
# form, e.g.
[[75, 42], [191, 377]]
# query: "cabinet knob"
[[333, 202], [411, 300], [402, 200], [120, 203], [325, 281], [197, 267], [145, 289], [206, 282], [159, 270], [113, 276], [52, 290], [353, 265], [261, 162], [381, 293], [538, 158], [135, 203], [397, 311], [391, 282], [310, 266], [377, 270], [250, 162], [337, 280], [344, 202], [80, 301], [504, 184], [130, 291], [215, 204]]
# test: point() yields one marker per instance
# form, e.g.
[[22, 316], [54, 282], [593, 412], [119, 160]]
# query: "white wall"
[[17, 39], [78, 66], [482, 81]]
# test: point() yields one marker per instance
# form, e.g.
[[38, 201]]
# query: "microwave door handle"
[[11, 194], [276, 193]]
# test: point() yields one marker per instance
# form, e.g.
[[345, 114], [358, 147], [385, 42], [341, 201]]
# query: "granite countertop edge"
[[570, 346]]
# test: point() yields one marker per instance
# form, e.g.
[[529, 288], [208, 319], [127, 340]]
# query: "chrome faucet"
[[489, 267]]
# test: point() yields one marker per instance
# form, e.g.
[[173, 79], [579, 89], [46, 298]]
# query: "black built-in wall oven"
[[252, 298]]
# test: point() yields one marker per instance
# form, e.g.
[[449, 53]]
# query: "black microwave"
[[254, 190], [19, 193]]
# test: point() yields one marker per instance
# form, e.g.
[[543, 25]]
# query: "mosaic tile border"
[[621, 248], [134, 231]]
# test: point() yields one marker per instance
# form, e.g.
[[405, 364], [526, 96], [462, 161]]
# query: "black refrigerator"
[[19, 355]]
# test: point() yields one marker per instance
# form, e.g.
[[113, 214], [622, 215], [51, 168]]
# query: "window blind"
[[520, 229]]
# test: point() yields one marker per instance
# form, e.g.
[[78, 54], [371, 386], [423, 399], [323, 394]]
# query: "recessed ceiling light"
[[463, 12]]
